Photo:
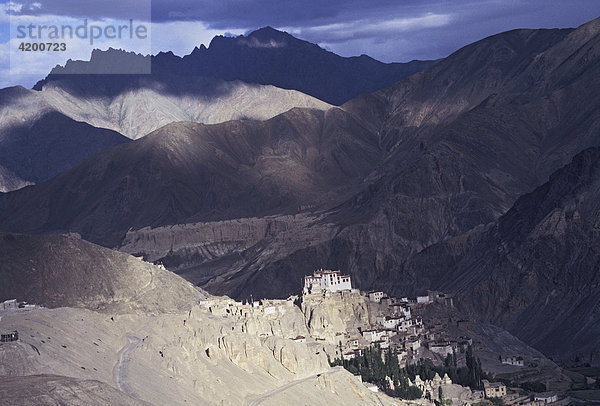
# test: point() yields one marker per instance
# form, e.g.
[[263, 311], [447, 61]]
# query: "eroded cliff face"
[[124, 331], [214, 353], [208, 253], [337, 316]]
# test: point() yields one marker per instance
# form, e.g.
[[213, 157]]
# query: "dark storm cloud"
[[386, 29], [136, 9], [221, 13]]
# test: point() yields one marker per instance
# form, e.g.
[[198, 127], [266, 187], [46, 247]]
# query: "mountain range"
[[265, 56], [461, 177], [206, 87]]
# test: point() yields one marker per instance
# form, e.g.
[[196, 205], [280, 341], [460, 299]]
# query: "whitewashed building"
[[9, 304], [375, 296], [493, 389], [423, 300], [443, 348], [516, 361], [546, 397], [327, 280], [374, 335]]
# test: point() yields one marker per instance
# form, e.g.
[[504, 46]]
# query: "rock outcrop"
[[336, 316]]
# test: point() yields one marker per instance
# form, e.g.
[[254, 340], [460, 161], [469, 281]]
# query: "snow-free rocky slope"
[[117, 330]]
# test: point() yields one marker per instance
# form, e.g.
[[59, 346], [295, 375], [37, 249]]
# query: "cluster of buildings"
[[399, 327], [231, 307], [421, 300], [399, 324], [396, 324]]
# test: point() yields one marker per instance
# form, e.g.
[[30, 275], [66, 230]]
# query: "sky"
[[388, 30]]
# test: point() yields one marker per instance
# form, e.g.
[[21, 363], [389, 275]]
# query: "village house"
[[493, 389], [9, 337], [9, 305], [402, 355], [373, 335], [439, 297], [423, 300], [441, 348], [389, 301], [401, 309], [413, 344], [326, 281], [546, 397], [516, 361], [349, 355], [375, 296], [389, 322], [353, 342]]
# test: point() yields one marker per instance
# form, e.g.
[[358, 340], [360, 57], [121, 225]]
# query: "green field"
[[586, 394], [577, 378], [589, 371], [560, 386]]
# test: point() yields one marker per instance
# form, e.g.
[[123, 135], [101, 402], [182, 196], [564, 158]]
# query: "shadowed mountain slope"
[[49, 143], [439, 155], [189, 172], [465, 139], [536, 271], [65, 271]]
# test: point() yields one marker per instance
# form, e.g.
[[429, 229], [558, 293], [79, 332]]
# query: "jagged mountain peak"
[[266, 56], [271, 36], [266, 37]]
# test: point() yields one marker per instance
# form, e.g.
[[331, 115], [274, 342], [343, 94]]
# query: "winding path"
[[121, 368], [257, 401]]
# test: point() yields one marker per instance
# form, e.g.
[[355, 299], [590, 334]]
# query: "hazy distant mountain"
[[36, 148], [267, 57], [37, 142], [137, 105]]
